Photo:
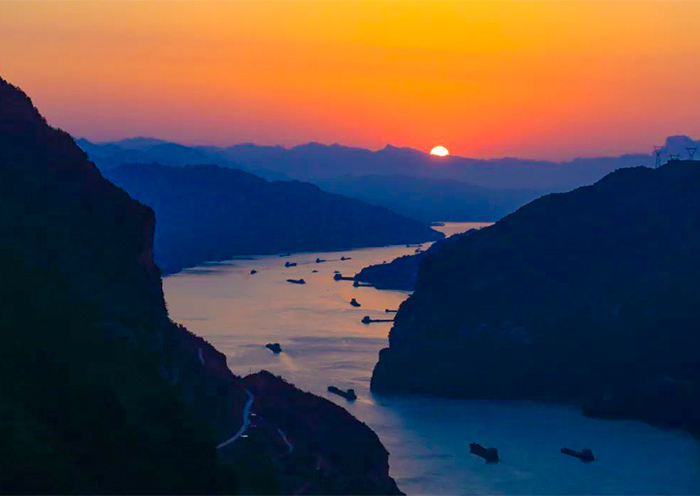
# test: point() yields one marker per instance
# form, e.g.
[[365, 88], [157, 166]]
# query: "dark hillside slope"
[[99, 391], [210, 213], [590, 295]]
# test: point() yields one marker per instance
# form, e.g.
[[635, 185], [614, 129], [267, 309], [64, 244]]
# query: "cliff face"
[[212, 213], [589, 295], [99, 391]]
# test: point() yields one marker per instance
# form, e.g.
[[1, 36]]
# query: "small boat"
[[290, 264], [386, 310], [437, 224], [488, 454], [368, 320], [354, 303], [285, 254], [253, 271], [348, 395], [358, 284], [339, 277], [320, 260], [274, 347], [585, 454], [296, 281], [314, 271], [345, 258]]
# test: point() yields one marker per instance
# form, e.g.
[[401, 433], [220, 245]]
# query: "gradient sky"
[[521, 78]]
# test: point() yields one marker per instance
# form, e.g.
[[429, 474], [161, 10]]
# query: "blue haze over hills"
[[405, 180]]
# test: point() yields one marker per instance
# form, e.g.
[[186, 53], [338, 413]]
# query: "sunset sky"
[[552, 79]]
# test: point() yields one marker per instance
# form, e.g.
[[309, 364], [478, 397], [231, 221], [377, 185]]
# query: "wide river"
[[325, 344]]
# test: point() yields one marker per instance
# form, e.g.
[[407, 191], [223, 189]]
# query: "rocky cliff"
[[589, 296], [99, 391]]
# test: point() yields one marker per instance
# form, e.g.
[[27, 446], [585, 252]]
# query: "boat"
[[290, 264], [387, 310], [314, 271], [320, 260], [488, 454], [296, 281], [358, 284], [253, 271], [274, 347], [345, 258], [368, 320], [354, 303], [348, 395], [339, 277], [585, 454], [285, 254]]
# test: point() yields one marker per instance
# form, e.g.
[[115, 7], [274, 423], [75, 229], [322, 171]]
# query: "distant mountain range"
[[587, 296], [406, 180], [207, 213]]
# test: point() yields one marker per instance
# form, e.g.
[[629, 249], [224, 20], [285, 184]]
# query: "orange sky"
[[521, 78]]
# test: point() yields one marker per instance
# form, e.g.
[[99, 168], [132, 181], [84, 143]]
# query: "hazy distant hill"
[[211, 213], [588, 296], [404, 179], [432, 199]]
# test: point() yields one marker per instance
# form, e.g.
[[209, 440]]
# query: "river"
[[325, 344]]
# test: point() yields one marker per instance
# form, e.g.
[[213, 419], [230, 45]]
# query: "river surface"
[[325, 344]]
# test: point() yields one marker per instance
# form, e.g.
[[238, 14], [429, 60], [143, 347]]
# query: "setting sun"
[[440, 151]]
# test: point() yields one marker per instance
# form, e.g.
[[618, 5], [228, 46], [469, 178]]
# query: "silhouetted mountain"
[[406, 180], [429, 199], [401, 273], [99, 391], [210, 213], [588, 296]]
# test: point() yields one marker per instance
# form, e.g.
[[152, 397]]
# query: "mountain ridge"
[[584, 296]]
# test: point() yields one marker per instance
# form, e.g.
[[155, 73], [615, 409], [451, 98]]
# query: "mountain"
[[588, 296], [99, 391], [401, 273], [430, 199], [210, 213], [405, 180]]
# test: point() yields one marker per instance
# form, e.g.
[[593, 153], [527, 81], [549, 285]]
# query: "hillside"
[[405, 180], [100, 392], [587, 296], [210, 213]]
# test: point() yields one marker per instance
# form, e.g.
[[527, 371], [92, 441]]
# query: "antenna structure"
[[658, 151], [691, 151]]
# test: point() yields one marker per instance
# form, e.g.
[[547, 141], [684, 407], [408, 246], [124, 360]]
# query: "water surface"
[[325, 344]]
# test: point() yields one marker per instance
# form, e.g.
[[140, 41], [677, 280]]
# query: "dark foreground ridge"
[[99, 391], [588, 296], [207, 213]]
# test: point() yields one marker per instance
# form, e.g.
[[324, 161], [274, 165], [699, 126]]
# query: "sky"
[[526, 78]]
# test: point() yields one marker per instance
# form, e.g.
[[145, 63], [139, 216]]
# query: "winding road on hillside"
[[246, 422]]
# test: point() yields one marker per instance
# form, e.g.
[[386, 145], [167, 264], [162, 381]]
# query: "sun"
[[440, 151]]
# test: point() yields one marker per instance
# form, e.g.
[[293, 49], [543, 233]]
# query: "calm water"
[[324, 343]]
